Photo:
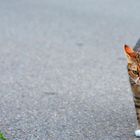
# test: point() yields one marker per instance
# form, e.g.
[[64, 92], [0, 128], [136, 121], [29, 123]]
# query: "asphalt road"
[[63, 71]]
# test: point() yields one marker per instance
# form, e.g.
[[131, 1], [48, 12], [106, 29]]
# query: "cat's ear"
[[130, 53]]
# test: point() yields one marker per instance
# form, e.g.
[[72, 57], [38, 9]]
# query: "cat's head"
[[133, 59]]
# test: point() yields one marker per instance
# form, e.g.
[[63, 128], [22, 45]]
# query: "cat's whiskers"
[[136, 81]]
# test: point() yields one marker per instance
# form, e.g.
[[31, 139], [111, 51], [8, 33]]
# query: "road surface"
[[63, 70]]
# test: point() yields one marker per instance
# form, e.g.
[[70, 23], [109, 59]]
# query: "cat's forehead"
[[138, 57]]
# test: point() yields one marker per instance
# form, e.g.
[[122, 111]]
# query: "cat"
[[133, 67]]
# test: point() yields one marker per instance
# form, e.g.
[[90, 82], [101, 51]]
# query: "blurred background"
[[63, 71]]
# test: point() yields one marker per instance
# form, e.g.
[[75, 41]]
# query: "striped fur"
[[133, 67]]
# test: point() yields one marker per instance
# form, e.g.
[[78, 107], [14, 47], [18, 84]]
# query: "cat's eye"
[[135, 72]]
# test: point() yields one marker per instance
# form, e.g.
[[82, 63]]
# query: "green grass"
[[2, 136]]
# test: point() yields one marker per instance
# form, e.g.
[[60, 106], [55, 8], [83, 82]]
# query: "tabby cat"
[[133, 67]]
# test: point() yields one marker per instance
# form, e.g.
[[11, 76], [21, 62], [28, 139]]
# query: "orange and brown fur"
[[133, 58]]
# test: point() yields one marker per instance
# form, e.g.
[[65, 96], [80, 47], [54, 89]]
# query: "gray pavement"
[[63, 71]]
